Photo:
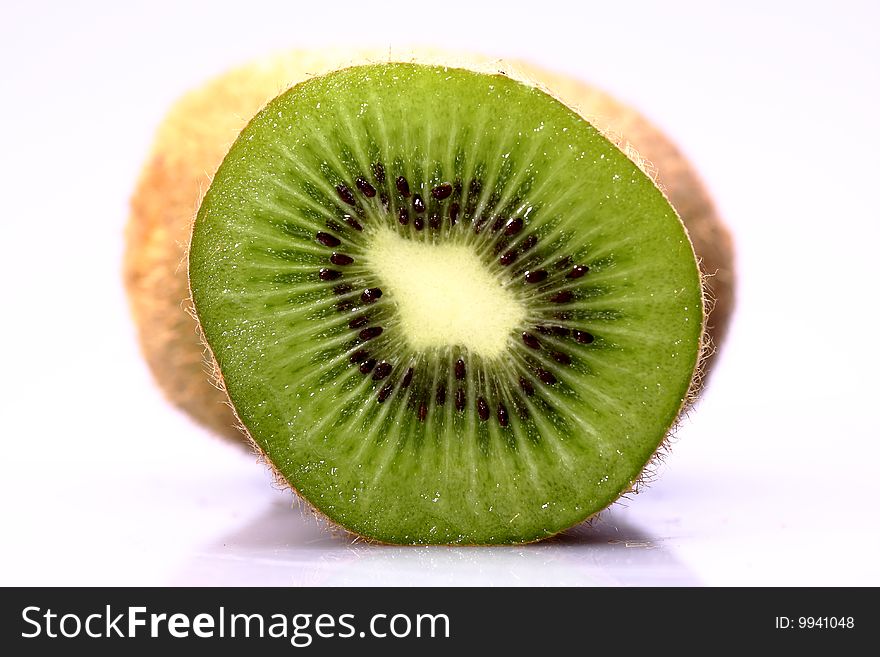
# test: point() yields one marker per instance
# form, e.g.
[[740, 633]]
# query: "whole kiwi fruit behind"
[[198, 131], [515, 418]]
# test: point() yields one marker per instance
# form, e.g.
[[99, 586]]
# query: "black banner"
[[329, 620]]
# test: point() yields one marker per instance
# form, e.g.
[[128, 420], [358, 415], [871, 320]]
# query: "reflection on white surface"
[[192, 510], [283, 546]]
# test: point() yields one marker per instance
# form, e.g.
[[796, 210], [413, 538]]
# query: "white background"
[[772, 479]]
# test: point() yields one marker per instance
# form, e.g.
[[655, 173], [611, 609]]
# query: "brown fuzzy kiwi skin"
[[198, 131]]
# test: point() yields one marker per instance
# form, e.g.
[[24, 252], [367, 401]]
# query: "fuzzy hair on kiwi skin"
[[197, 132], [706, 350]]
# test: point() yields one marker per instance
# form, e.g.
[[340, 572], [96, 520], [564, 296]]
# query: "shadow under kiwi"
[[287, 546]]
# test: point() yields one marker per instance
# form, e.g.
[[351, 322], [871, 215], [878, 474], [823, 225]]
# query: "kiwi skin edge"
[[196, 134]]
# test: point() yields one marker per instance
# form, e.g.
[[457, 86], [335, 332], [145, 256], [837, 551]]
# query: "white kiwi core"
[[445, 294]]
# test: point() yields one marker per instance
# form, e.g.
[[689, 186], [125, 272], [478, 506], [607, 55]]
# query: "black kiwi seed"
[[423, 411], [562, 297], [478, 226], [341, 259], [507, 258], [499, 222], [546, 330], [382, 370], [545, 376], [418, 222], [370, 333], [441, 192], [407, 378], [403, 186], [385, 392], [530, 340], [560, 331], [526, 386], [460, 399], [368, 365], [345, 194], [529, 243], [577, 271], [535, 276], [418, 203], [454, 209], [440, 397], [327, 239], [482, 409], [371, 294], [513, 226], [342, 288], [434, 221], [560, 357], [379, 172], [502, 415], [351, 221], [366, 188], [359, 356], [460, 370], [358, 322], [329, 274], [403, 216], [583, 337]]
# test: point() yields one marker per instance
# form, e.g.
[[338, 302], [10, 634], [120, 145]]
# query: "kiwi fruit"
[[198, 131], [444, 307]]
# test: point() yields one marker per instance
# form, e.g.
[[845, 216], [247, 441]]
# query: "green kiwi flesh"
[[443, 305]]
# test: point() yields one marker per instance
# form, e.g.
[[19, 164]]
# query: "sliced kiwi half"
[[443, 305]]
